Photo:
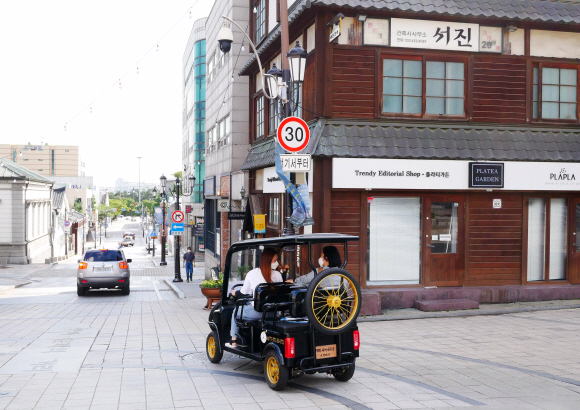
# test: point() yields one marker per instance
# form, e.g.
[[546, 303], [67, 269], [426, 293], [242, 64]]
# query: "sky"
[[58, 56]]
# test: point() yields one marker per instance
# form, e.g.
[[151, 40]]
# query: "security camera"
[[225, 39]]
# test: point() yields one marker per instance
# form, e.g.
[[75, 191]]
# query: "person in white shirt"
[[266, 273]]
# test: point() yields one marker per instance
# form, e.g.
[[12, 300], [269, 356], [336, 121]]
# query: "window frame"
[[265, 116], [276, 199], [539, 65], [424, 59], [255, 19]]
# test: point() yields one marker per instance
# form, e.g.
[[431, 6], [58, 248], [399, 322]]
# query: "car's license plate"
[[104, 269], [324, 352]]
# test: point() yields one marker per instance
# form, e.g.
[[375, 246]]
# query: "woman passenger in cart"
[[329, 258], [266, 273]]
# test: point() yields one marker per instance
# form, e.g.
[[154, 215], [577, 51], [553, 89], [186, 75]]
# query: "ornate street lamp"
[[274, 78], [297, 58]]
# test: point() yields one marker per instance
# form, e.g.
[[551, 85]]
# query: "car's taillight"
[[82, 265], [121, 280], [123, 265], [289, 349], [356, 339], [84, 281]]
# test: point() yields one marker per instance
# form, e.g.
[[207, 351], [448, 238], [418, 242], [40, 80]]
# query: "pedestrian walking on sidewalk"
[[188, 260]]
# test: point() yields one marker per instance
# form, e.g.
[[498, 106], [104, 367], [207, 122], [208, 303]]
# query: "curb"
[[467, 313], [5, 288], [175, 289]]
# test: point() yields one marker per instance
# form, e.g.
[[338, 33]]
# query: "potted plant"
[[212, 290]]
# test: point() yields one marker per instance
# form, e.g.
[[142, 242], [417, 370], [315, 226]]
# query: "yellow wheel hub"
[[211, 347], [273, 370], [335, 301]]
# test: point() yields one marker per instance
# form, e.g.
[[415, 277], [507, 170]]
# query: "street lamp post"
[[139, 178], [178, 189], [281, 84], [162, 183]]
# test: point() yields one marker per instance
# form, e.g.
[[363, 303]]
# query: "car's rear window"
[[103, 256]]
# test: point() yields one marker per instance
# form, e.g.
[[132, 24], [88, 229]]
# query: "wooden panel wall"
[[494, 246], [308, 93], [345, 217], [499, 90], [353, 85]]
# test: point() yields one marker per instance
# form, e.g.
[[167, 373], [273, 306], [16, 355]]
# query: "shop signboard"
[[416, 174], [223, 205], [198, 230], [485, 175], [260, 223], [435, 35], [236, 215]]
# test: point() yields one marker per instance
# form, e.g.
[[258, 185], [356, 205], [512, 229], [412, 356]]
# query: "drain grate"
[[202, 357]]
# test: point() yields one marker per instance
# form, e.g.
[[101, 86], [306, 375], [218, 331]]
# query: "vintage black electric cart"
[[303, 329]]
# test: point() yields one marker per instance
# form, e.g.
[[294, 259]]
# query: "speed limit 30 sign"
[[293, 134]]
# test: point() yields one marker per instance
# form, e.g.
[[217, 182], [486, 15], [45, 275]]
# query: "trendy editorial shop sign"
[[375, 173]]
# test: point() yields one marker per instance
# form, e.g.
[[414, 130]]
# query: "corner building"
[[444, 134]]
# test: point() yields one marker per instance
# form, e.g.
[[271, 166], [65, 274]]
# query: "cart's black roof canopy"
[[282, 241]]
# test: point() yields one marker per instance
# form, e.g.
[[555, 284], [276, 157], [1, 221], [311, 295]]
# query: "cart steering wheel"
[[233, 287]]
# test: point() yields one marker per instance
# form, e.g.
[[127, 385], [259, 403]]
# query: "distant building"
[[46, 160], [126, 186]]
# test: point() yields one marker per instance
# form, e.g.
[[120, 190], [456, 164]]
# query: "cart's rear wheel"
[[344, 374], [214, 353], [333, 301], [275, 372]]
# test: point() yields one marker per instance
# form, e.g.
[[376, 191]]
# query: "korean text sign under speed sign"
[[177, 216], [293, 134]]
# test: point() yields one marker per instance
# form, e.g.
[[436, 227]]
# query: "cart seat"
[[287, 327], [272, 293]]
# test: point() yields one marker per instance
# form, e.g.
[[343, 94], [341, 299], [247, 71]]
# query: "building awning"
[[75, 216], [366, 139]]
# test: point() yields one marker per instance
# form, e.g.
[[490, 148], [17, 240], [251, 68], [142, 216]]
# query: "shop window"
[[407, 81], [394, 250], [260, 22], [540, 211], [274, 211], [260, 117], [555, 93], [274, 118]]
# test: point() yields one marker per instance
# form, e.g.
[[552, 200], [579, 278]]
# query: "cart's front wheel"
[[344, 374], [214, 353], [275, 372]]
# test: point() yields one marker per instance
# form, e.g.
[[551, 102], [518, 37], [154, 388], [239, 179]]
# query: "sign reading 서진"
[[438, 35]]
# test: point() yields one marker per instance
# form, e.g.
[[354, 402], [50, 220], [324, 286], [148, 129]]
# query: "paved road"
[[146, 351]]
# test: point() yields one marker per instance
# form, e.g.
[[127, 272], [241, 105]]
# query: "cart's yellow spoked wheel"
[[335, 301], [211, 347], [273, 370]]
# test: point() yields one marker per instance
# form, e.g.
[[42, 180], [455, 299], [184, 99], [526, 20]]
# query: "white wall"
[[557, 44], [5, 213]]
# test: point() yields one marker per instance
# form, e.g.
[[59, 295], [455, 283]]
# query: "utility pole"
[[139, 179], [177, 237]]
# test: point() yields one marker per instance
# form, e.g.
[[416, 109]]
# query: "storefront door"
[[444, 256], [575, 241]]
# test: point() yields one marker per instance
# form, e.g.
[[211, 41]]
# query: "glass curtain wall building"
[[193, 133]]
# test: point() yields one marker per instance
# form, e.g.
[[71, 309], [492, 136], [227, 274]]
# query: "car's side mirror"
[[129, 260]]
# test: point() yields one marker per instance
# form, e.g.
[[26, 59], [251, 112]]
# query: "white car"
[[127, 240]]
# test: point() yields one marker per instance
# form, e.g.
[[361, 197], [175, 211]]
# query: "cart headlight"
[[356, 340], [289, 348]]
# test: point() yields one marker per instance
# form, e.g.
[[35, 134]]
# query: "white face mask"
[[274, 265], [189, 250], [321, 262]]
